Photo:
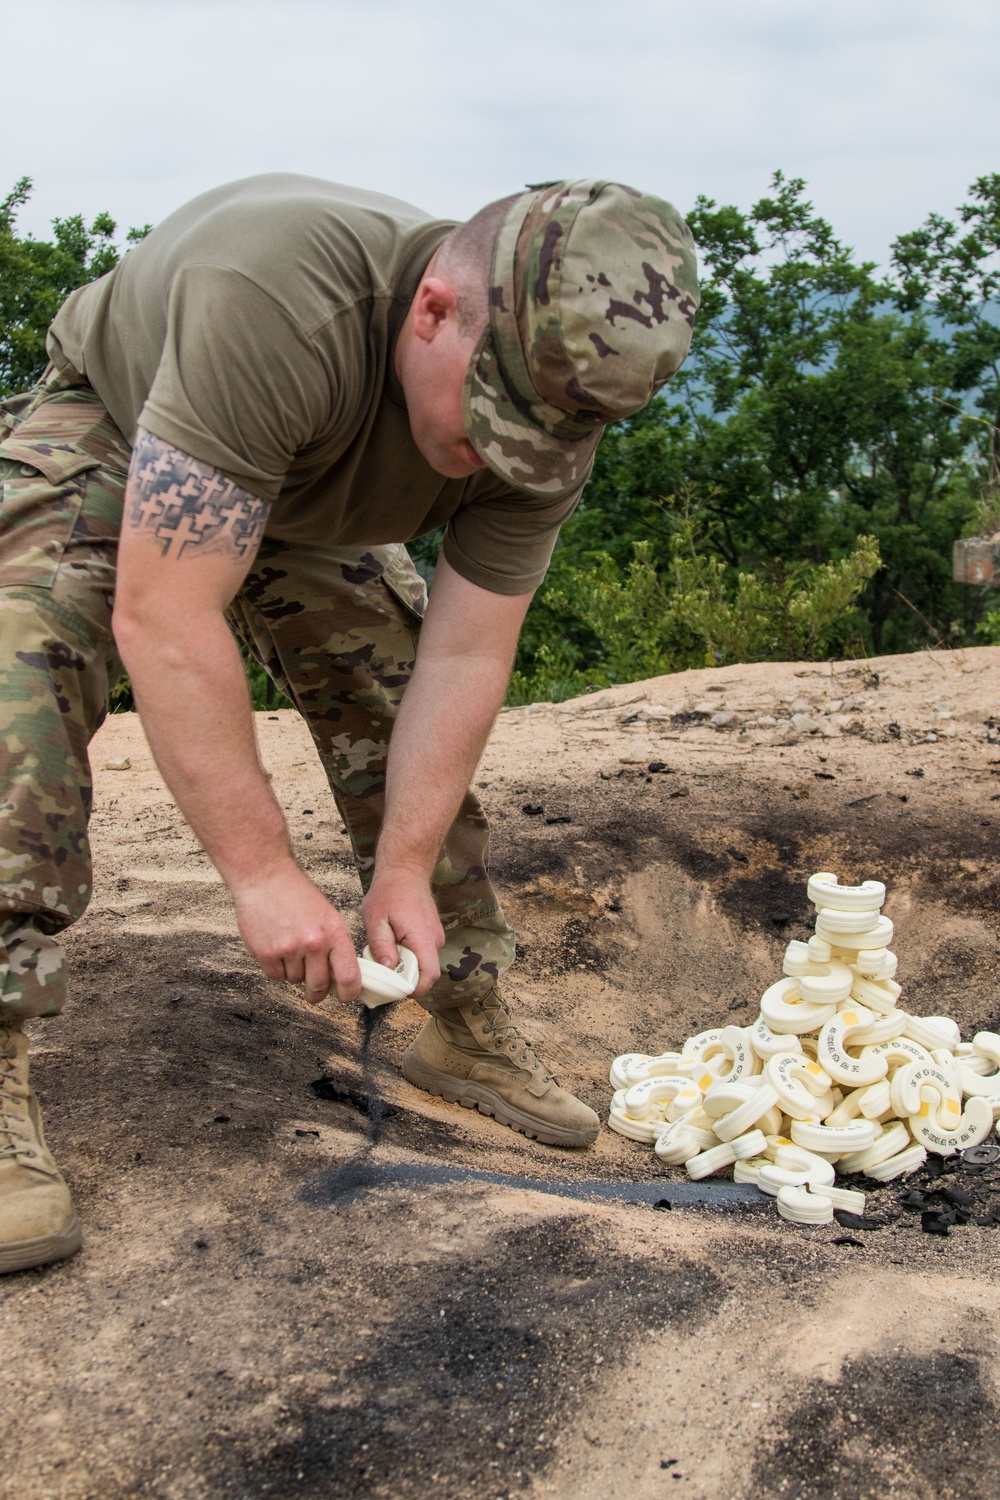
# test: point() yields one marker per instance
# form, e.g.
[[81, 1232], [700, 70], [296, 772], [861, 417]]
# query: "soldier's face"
[[432, 358]]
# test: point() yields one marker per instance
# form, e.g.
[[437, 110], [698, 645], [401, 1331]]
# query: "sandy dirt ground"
[[265, 1308]]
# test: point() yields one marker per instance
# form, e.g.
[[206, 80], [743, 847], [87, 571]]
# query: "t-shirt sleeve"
[[503, 542], [239, 385]]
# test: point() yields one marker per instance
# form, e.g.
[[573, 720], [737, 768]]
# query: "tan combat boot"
[[37, 1220], [474, 1055]]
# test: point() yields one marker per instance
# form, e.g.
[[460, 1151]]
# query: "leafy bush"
[[697, 613]]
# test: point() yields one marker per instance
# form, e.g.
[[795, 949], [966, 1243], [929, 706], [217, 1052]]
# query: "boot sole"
[[477, 1096], [41, 1252]]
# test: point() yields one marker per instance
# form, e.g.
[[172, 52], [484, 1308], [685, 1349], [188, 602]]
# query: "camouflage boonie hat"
[[593, 293]]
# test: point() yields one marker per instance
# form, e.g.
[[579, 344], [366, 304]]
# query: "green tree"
[[818, 403], [955, 269], [36, 276], [641, 622]]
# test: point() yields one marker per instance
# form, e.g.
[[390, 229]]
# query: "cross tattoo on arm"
[[185, 505]]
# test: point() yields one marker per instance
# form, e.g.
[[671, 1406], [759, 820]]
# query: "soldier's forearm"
[[464, 658], [191, 692], [438, 738]]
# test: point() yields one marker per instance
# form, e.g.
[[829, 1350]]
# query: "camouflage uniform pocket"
[[44, 464], [45, 467]]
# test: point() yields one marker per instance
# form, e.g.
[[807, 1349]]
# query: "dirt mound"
[[264, 1308]]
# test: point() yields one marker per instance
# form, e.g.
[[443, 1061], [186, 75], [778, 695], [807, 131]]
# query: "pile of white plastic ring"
[[833, 1077]]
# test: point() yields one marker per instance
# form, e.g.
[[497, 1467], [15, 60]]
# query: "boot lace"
[[14, 1140], [507, 1038]]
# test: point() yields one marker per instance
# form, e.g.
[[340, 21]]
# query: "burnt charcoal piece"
[[335, 1093], [559, 818], [847, 1239], [958, 1196], [847, 1220], [533, 809], [738, 855], [657, 765], [936, 1223], [915, 1198]]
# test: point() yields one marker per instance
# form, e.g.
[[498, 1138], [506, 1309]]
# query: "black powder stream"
[[373, 1018]]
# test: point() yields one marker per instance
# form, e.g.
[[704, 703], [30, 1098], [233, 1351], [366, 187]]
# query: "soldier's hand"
[[399, 908], [295, 934]]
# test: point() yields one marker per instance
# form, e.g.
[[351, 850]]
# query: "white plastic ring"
[[618, 1075], [796, 1159], [843, 1066], [802, 1087], [784, 1011], [622, 1123], [852, 923], [746, 1115], [800, 1206], [884, 1028], [880, 995], [880, 936], [664, 1065], [749, 1145], [767, 1043], [874, 963], [974, 1125], [380, 984], [824, 889], [678, 1093], [677, 1144], [876, 1099], [894, 1138], [986, 1045], [858, 1135], [841, 1197], [913, 1087], [706, 1163], [899, 1166]]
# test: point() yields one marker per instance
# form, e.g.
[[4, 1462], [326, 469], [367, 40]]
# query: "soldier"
[[240, 427]]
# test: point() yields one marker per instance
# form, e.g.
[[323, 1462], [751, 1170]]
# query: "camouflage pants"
[[336, 630]]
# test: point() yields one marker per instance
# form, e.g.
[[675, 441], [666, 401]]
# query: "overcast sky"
[[889, 108]]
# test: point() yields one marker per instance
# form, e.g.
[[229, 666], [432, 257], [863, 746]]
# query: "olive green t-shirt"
[[254, 329]]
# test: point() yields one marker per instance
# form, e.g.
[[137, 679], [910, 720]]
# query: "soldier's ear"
[[434, 303]]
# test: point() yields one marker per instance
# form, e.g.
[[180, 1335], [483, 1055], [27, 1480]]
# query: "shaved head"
[[464, 258]]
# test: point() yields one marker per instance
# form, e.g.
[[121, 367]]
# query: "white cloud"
[[888, 110]]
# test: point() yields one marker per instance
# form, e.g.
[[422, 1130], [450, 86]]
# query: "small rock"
[[725, 720], [123, 764], [766, 721], [800, 706], [803, 724]]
